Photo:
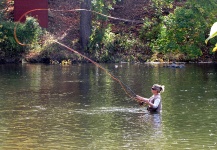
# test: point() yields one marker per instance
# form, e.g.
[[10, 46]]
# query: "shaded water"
[[80, 107]]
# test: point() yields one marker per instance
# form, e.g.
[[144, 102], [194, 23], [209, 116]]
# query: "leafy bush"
[[28, 33], [181, 32], [107, 46], [150, 29]]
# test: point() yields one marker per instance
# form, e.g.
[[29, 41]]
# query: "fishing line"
[[126, 88]]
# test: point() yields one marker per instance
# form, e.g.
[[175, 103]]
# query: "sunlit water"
[[80, 107]]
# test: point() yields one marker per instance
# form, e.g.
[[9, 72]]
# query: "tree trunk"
[[85, 24]]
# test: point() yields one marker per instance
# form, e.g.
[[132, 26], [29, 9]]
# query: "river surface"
[[81, 107]]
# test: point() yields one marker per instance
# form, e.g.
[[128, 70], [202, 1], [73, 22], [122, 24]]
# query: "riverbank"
[[58, 56]]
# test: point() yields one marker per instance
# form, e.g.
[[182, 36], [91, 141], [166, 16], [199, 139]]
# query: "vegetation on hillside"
[[182, 33], [160, 31], [168, 33]]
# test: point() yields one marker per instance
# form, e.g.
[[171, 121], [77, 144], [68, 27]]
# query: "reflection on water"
[[109, 110], [80, 107]]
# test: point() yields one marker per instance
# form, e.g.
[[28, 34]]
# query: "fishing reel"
[[141, 103]]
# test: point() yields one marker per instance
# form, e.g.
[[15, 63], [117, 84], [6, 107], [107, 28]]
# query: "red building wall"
[[22, 6]]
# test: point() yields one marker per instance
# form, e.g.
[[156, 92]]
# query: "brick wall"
[[22, 6]]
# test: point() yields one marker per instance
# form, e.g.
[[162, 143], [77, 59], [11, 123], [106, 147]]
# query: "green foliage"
[[2, 6], [182, 32], [28, 33], [101, 42], [159, 4], [8, 45], [107, 46], [150, 29], [103, 6], [6, 12], [31, 32]]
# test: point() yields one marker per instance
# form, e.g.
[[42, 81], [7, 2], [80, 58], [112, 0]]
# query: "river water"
[[81, 107]]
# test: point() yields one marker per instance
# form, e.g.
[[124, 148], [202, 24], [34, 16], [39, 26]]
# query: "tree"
[[181, 33], [85, 24]]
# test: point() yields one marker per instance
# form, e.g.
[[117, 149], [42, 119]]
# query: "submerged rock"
[[175, 65]]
